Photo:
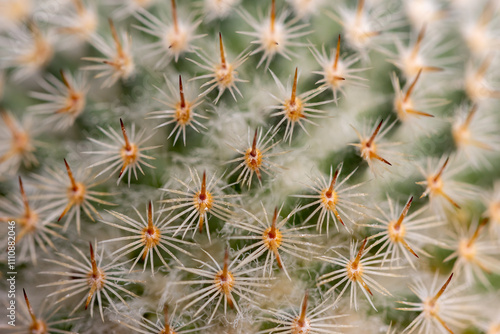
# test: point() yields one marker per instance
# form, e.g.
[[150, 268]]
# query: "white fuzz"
[[273, 35], [357, 271], [63, 100], [117, 62], [151, 235], [334, 200], [273, 238], [175, 39], [123, 154]]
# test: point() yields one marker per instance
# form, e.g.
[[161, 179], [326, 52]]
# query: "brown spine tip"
[[203, 191], [74, 187], [336, 213], [181, 92], [481, 72], [222, 56], [272, 232], [165, 317], [259, 175], [416, 47], [150, 216], [378, 157], [65, 211], [33, 27], [449, 199], [92, 260], [225, 268], [417, 112], [253, 152], [125, 137], [432, 69], [294, 88], [479, 227], [363, 283], [403, 213], [412, 86], [405, 244], [273, 15], [360, 253], [28, 305], [332, 184], [303, 310], [470, 115], [122, 170], [174, 16], [377, 129], [79, 6], [230, 302], [9, 121], [359, 10], [443, 288], [487, 14], [115, 36], [278, 258], [200, 223], [70, 175], [441, 170], [65, 79], [23, 195], [337, 55]]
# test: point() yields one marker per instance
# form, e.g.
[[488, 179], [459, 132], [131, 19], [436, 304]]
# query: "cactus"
[[288, 166]]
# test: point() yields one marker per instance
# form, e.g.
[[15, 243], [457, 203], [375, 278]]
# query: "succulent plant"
[[288, 166]]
